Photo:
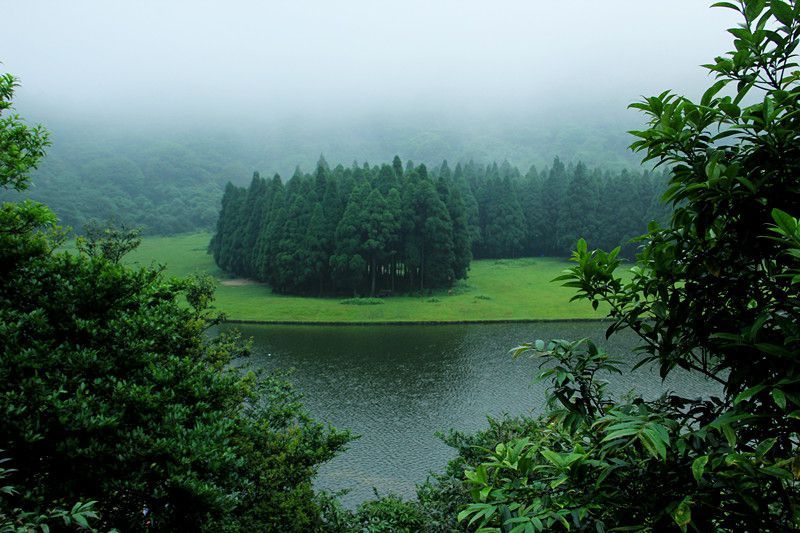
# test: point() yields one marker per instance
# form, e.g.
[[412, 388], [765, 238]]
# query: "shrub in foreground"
[[112, 392], [715, 292]]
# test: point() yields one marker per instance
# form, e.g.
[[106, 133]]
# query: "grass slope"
[[505, 289]]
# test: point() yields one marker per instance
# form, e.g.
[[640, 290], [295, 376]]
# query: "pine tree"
[[531, 203], [272, 230], [347, 264], [218, 243], [435, 237], [386, 179], [229, 252], [379, 231], [553, 197], [316, 247], [470, 205], [397, 165], [462, 247], [579, 221], [251, 216]]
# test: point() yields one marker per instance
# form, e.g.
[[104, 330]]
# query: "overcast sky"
[[261, 58]]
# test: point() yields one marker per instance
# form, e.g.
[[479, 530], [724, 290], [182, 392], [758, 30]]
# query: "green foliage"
[[113, 395], [383, 514], [713, 292], [110, 242], [163, 186], [389, 513], [16, 520], [21, 146]]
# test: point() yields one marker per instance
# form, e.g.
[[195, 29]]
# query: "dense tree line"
[[358, 229], [544, 212], [396, 227]]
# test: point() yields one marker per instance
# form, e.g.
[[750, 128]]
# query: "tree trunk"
[[372, 290], [422, 274]]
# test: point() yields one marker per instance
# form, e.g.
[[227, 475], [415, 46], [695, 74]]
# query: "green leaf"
[[712, 91], [754, 8], [782, 11], [558, 481], [621, 433], [765, 447], [699, 466], [553, 457], [654, 442], [784, 221], [780, 473], [81, 520], [727, 5], [747, 183], [683, 513], [779, 397], [773, 349], [748, 393], [730, 435]]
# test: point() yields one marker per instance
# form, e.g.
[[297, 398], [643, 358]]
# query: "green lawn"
[[504, 289]]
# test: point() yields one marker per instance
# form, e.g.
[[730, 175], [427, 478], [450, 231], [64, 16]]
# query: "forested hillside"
[[399, 227], [168, 178], [164, 185]]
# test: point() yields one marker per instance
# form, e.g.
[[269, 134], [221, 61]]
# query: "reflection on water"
[[397, 386]]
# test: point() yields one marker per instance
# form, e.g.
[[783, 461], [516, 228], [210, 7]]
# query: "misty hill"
[[170, 181]]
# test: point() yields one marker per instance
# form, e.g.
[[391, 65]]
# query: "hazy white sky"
[[257, 58]]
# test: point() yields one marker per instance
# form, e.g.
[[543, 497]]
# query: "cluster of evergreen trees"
[[356, 230], [366, 229]]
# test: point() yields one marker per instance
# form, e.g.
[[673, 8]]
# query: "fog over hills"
[[356, 80], [154, 106]]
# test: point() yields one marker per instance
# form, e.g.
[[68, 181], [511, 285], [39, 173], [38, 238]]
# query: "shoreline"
[[410, 322]]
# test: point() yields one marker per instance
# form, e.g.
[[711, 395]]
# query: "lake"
[[397, 386]]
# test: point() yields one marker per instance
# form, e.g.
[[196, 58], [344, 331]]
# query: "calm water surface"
[[397, 386]]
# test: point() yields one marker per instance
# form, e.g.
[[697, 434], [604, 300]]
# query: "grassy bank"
[[518, 289]]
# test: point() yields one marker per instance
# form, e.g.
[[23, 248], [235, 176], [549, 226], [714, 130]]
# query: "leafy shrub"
[[389, 514], [112, 392], [13, 520], [715, 292], [383, 514]]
